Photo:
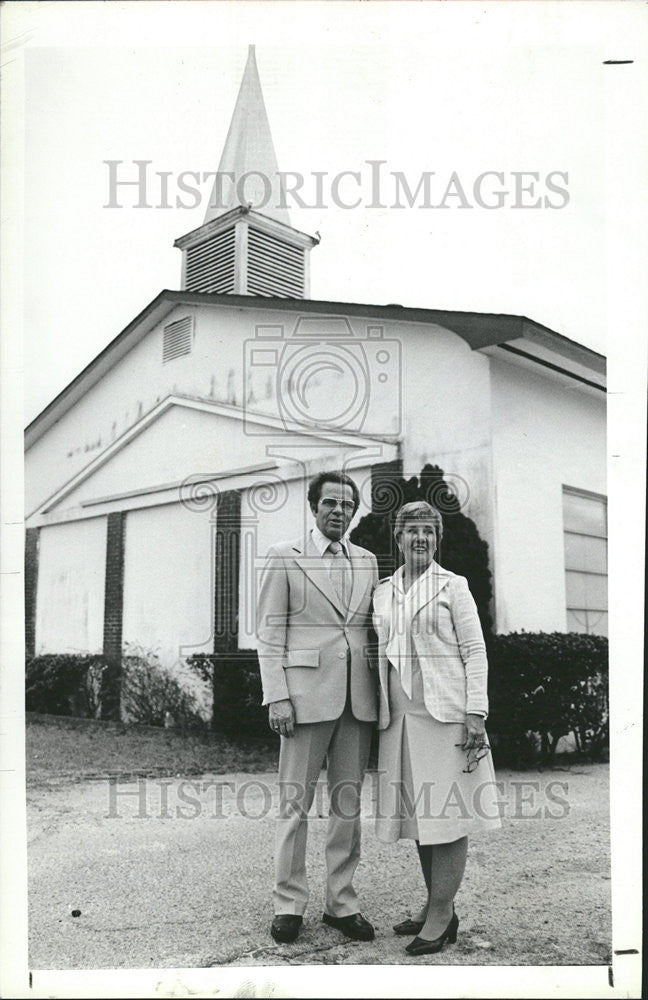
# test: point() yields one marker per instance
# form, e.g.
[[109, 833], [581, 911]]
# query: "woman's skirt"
[[423, 790]]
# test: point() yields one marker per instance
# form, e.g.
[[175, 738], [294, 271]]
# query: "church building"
[[157, 479]]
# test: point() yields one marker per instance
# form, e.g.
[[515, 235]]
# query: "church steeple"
[[249, 153], [246, 244]]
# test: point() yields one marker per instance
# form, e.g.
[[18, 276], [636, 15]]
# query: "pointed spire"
[[249, 150], [246, 245]]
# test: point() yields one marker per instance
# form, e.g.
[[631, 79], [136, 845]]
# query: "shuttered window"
[[178, 339], [274, 268], [585, 528], [210, 265]]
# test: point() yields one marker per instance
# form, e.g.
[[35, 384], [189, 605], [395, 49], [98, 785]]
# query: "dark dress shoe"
[[285, 927], [354, 926], [407, 927], [419, 946]]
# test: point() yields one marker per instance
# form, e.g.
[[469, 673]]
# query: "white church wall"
[[545, 436], [255, 350], [71, 576], [168, 584], [446, 403]]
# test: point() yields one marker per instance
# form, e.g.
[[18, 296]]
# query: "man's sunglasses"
[[330, 503]]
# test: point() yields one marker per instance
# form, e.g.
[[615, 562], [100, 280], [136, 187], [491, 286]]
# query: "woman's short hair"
[[315, 487], [419, 510]]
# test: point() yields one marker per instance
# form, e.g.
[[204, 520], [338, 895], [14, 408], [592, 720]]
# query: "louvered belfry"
[[240, 248]]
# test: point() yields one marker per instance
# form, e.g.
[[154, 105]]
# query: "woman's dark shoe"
[[419, 946], [409, 926]]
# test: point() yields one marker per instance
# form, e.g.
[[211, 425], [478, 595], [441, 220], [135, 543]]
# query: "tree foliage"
[[462, 549]]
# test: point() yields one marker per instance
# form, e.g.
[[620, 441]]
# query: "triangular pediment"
[[185, 439]]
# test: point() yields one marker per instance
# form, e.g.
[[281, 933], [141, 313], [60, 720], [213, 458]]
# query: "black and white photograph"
[[323, 498]]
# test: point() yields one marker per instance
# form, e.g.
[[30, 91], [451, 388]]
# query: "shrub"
[[64, 684], [235, 682], [550, 684], [541, 685], [151, 694], [462, 549]]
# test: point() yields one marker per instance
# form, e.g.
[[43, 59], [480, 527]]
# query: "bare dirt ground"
[[176, 871]]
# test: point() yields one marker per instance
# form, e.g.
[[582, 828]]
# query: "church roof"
[[523, 339], [249, 155]]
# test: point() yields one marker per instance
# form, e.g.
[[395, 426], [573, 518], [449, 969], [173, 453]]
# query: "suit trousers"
[[345, 743]]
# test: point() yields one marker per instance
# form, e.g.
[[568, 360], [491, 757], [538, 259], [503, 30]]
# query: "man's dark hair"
[[315, 487]]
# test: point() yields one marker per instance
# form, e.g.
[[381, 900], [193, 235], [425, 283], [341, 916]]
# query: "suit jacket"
[[448, 642], [304, 633]]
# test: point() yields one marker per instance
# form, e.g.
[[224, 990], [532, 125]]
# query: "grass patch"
[[69, 749]]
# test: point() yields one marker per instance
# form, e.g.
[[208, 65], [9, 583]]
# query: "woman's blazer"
[[448, 641]]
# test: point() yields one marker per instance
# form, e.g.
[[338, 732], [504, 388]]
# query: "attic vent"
[[210, 265], [178, 339], [274, 268]]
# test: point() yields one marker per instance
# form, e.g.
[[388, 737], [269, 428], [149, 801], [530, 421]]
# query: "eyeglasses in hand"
[[475, 754]]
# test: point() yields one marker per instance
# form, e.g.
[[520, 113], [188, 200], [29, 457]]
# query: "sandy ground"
[[166, 876]]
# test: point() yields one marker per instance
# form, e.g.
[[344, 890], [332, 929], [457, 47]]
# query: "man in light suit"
[[313, 617]]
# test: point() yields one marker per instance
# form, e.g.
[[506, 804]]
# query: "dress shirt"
[[322, 543]]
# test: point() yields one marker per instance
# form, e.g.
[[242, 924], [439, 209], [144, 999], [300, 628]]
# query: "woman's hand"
[[475, 732]]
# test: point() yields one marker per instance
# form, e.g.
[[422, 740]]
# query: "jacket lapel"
[[382, 598], [316, 569], [428, 586], [361, 577]]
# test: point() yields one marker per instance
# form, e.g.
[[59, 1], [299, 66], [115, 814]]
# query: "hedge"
[[141, 690], [542, 686], [65, 684], [550, 684], [235, 682]]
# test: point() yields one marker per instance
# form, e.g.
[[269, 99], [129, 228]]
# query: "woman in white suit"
[[435, 776]]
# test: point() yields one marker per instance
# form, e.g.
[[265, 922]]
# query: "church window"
[[585, 532]]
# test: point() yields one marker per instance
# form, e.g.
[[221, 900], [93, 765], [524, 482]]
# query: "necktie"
[[340, 573]]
